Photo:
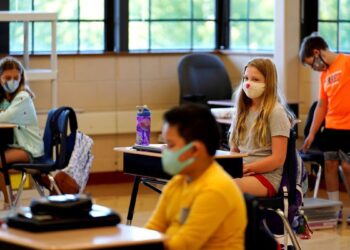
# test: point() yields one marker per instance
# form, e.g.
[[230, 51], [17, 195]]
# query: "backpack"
[[74, 167], [293, 187]]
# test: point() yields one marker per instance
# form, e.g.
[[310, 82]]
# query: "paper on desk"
[[223, 113]]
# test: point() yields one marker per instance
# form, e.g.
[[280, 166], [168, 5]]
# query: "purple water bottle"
[[143, 125]]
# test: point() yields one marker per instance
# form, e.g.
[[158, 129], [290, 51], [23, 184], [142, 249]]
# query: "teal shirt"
[[21, 111]]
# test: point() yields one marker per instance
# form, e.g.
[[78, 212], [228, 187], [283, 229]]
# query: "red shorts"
[[270, 189]]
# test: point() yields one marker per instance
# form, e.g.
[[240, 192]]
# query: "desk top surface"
[[219, 153], [228, 103], [7, 125], [90, 238]]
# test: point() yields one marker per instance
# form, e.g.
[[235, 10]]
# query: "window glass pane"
[[204, 35], [66, 9], [42, 36], [261, 9], [344, 39], [170, 9], [67, 36], [239, 9], [204, 9], [16, 37], [70, 37], [91, 36], [171, 35], [261, 35], [92, 9], [138, 9], [329, 31], [344, 9], [239, 36], [327, 9], [138, 35], [21, 5]]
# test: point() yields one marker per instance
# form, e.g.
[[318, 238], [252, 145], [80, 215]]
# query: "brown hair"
[[9, 63]]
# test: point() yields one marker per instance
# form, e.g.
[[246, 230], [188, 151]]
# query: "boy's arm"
[[207, 213], [158, 220]]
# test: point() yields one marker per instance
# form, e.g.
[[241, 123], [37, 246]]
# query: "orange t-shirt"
[[335, 87]]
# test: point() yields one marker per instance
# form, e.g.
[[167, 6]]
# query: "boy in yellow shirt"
[[201, 207]]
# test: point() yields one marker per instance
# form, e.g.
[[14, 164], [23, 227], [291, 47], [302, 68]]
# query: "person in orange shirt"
[[333, 107]]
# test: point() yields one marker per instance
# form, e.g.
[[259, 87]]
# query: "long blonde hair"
[[270, 97]]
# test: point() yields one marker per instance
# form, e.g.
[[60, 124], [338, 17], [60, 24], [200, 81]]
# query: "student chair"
[[314, 155], [203, 77], [255, 235], [285, 204], [58, 147]]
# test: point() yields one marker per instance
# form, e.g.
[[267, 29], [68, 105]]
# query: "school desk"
[[112, 237], [147, 168]]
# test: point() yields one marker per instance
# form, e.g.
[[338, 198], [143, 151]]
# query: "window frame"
[[248, 20], [5, 5], [116, 28], [310, 21]]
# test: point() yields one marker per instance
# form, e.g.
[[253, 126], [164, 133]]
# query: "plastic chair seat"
[[312, 155], [43, 165]]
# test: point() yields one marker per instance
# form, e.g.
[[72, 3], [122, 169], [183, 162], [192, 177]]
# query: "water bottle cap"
[[143, 110]]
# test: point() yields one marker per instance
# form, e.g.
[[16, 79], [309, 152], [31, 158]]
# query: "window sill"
[[149, 52]]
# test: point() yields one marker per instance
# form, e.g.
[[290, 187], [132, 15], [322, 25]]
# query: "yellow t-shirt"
[[208, 213], [335, 87]]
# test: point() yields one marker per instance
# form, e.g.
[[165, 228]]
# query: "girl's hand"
[[247, 171], [235, 149], [307, 143]]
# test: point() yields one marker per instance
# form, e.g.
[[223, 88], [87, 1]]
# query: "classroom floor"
[[117, 196]]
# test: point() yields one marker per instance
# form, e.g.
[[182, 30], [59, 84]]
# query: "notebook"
[[98, 216], [155, 148]]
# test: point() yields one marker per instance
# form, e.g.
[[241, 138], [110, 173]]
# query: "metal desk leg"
[[132, 203], [342, 176]]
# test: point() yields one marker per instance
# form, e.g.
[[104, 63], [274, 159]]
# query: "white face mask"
[[253, 89], [11, 86]]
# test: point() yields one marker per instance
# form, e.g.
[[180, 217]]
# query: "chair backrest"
[[59, 135], [316, 143], [203, 77], [294, 177]]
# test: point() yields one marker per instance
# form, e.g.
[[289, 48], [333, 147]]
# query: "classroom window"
[[252, 25], [171, 24], [80, 26], [334, 23]]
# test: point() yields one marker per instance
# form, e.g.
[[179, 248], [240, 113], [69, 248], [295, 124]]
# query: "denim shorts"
[[336, 144]]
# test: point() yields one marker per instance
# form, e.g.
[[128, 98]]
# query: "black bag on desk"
[[61, 212]]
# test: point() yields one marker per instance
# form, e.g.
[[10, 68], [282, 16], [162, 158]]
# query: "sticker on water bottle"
[[143, 125]]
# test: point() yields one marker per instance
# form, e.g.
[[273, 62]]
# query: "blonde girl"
[[261, 128]]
